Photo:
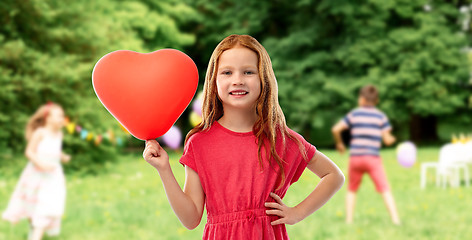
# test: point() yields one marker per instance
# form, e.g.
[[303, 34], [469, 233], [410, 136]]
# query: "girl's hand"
[[288, 215], [65, 158], [155, 155]]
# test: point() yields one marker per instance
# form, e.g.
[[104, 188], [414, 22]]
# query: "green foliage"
[[334, 47], [221, 18], [322, 52], [88, 157], [48, 50]]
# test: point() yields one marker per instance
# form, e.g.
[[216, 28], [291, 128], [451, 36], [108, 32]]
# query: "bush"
[[87, 157]]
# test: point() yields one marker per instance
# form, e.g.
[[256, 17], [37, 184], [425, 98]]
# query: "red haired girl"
[[241, 159]]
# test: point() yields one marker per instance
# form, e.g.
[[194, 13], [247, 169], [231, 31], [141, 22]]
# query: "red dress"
[[235, 185]]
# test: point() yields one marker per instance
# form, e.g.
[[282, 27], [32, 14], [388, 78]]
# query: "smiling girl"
[[241, 159]]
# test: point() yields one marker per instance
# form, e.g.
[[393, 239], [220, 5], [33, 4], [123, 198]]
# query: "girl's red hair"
[[39, 118]]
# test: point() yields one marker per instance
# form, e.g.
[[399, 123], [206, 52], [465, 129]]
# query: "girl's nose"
[[238, 79]]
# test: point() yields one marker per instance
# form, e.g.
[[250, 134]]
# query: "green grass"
[[128, 202]]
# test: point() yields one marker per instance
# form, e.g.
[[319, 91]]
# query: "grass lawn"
[[128, 202]]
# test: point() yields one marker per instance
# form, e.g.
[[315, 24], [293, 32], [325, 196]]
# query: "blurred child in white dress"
[[40, 193]]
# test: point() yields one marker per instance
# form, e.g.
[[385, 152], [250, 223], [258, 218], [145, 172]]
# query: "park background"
[[415, 52]]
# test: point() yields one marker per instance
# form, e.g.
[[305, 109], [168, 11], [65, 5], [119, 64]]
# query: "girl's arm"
[[331, 181], [65, 158], [187, 204], [30, 151]]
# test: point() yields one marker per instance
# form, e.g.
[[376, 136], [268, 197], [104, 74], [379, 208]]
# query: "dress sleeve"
[[310, 151], [188, 158]]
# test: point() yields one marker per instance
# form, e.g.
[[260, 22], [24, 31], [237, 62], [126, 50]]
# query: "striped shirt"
[[366, 125]]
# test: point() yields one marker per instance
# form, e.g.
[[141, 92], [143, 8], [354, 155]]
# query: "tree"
[[410, 49], [48, 50]]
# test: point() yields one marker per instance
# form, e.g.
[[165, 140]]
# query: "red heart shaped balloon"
[[145, 92]]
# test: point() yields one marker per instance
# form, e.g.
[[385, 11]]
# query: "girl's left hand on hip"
[[288, 215]]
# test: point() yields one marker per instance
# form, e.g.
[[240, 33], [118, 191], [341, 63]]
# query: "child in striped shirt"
[[369, 127]]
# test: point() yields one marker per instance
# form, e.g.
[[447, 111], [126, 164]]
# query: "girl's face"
[[237, 80], [55, 117]]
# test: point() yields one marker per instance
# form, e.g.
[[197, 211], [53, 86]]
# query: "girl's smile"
[[238, 93]]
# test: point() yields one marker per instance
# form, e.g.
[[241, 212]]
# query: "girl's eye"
[[249, 72], [226, 73]]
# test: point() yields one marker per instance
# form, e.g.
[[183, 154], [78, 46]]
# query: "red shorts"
[[358, 165]]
